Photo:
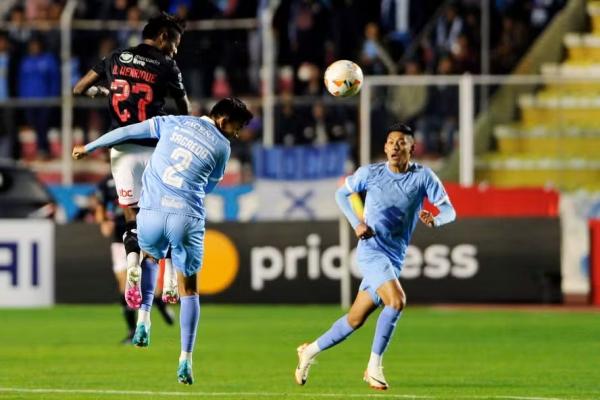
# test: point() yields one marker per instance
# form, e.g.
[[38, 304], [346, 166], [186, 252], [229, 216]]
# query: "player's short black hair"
[[163, 22], [232, 108], [401, 127]]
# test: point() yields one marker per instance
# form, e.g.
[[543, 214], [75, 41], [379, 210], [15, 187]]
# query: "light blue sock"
[[188, 320], [149, 276], [339, 331], [386, 324]]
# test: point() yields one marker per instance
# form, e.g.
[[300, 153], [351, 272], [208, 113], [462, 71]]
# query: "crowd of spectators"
[[384, 36]]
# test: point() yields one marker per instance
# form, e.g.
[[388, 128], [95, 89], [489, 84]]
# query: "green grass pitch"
[[248, 352]]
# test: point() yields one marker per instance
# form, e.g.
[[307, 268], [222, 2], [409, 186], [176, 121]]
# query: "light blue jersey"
[[188, 161], [190, 157], [391, 210], [392, 205]]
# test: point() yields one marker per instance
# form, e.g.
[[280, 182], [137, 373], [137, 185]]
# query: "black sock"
[[128, 314], [130, 238]]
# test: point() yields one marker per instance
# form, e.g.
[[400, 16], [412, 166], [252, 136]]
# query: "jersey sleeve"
[[154, 125], [175, 82], [217, 174], [436, 193], [357, 182]]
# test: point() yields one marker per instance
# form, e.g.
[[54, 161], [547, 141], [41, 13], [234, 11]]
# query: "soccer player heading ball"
[[395, 193], [188, 162], [139, 78]]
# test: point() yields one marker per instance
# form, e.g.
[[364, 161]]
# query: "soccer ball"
[[343, 78]]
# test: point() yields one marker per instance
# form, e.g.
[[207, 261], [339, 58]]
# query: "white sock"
[[144, 318], [133, 259], [375, 360], [185, 356], [312, 349], [169, 276]]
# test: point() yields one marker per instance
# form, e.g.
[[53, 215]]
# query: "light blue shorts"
[[157, 231], [376, 269]]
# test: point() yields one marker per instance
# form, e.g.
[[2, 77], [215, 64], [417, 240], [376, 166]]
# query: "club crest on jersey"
[[126, 57]]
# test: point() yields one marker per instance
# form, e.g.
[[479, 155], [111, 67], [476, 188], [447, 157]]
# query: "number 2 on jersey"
[[183, 158], [121, 90]]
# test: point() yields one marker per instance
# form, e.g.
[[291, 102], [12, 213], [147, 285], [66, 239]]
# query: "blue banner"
[[300, 162]]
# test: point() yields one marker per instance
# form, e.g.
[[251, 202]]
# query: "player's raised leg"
[[362, 307], [394, 300], [128, 162]]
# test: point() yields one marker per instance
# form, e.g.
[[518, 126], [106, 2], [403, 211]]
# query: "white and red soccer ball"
[[343, 78]]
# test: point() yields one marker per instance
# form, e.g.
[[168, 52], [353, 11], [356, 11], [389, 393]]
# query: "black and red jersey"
[[140, 78]]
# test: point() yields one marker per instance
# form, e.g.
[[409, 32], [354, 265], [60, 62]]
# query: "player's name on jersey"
[[135, 73], [190, 144]]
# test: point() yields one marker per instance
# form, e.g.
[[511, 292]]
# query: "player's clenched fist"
[[427, 218], [79, 152], [363, 231]]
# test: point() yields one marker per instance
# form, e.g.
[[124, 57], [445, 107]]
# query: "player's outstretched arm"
[[141, 130], [87, 86], [447, 214]]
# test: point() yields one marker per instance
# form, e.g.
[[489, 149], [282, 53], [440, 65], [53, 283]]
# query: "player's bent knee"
[[397, 303], [356, 321]]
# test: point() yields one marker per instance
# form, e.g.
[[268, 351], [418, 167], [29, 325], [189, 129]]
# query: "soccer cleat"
[[374, 377], [141, 337], [304, 363], [170, 294], [133, 287], [184, 372]]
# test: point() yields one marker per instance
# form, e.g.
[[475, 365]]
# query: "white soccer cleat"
[[304, 363], [170, 293], [375, 378]]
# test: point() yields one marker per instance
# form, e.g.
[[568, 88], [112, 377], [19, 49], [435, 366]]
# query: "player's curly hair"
[[401, 127], [232, 108], [163, 22]]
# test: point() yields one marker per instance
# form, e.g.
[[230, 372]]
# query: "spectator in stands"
[[542, 12], [18, 33], [465, 56], [288, 123], [303, 31], [407, 102], [310, 80], [513, 41], [39, 77], [400, 20], [447, 29], [130, 35], [440, 121], [374, 58], [7, 126]]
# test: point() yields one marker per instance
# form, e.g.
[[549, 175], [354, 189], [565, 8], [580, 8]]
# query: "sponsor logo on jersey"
[[125, 192], [126, 57], [141, 60]]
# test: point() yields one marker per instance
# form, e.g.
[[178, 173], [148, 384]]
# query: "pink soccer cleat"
[[133, 289]]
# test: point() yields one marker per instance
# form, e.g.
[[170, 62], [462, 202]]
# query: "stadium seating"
[[556, 141]]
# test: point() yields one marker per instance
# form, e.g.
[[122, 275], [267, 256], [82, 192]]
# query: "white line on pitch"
[[260, 394], [209, 394]]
